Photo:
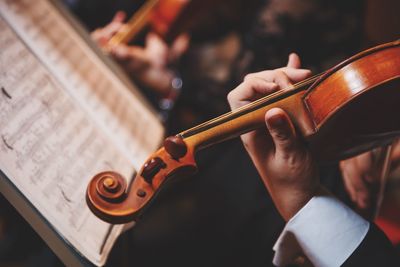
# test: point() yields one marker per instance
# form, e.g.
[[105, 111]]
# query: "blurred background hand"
[[151, 65]]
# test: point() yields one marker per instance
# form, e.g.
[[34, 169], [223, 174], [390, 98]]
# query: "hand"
[[149, 65], [364, 180], [102, 35], [285, 165]]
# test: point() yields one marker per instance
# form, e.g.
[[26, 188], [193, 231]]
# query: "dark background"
[[223, 215]]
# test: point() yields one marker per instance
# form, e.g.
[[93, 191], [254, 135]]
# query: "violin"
[[349, 109], [161, 16]]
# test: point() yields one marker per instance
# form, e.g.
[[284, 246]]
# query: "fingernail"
[[276, 121]]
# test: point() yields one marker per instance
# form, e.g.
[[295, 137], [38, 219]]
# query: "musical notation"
[[86, 78], [50, 147]]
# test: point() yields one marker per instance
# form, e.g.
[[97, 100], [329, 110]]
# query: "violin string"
[[278, 93], [251, 105]]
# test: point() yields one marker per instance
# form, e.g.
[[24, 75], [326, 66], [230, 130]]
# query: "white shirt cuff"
[[325, 230]]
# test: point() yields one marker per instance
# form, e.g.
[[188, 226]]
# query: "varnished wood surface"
[[351, 78], [127, 208]]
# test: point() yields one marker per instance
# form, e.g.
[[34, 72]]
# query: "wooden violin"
[[349, 109], [159, 14], [167, 18]]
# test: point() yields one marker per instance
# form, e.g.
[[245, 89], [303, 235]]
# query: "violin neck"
[[250, 117], [135, 24]]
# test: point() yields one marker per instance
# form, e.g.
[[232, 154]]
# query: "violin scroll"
[[110, 186], [110, 197]]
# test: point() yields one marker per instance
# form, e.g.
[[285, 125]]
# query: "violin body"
[[160, 15], [167, 18], [354, 106], [164, 16], [350, 109]]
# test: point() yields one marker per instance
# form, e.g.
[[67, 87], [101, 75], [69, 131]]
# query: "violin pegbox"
[[109, 197]]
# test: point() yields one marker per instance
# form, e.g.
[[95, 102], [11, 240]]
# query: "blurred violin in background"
[[160, 16], [167, 18]]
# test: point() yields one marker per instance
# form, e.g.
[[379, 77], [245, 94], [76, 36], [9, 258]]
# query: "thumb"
[[282, 131], [294, 61]]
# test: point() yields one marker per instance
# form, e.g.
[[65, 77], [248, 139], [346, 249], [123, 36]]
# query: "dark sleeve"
[[374, 250]]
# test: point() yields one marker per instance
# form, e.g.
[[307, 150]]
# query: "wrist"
[[289, 201]]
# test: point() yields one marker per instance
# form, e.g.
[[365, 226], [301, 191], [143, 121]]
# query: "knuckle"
[[248, 77], [279, 73], [231, 96], [254, 83]]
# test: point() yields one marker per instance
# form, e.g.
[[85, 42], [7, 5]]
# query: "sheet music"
[[50, 148], [120, 115]]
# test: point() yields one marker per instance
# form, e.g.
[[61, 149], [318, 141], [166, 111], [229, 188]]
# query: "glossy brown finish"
[[164, 15], [349, 109], [248, 121], [124, 205], [350, 79], [151, 168], [175, 146], [167, 18], [355, 104]]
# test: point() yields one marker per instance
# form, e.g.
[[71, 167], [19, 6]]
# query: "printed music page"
[[121, 115], [63, 118]]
